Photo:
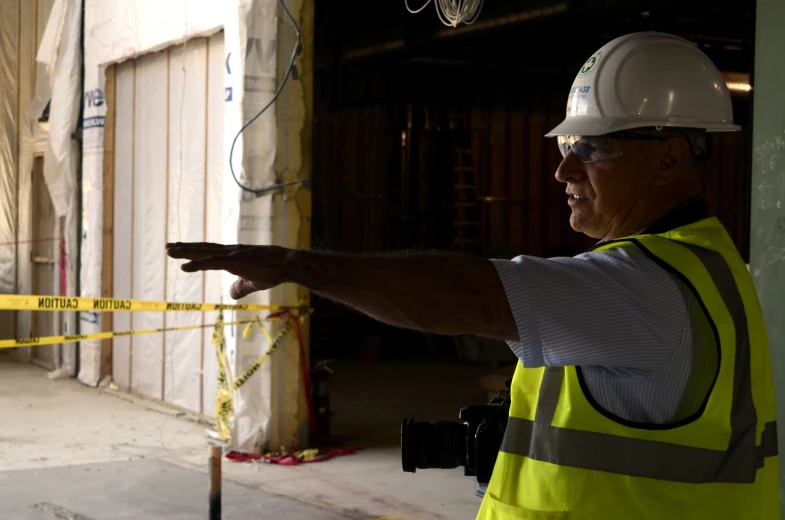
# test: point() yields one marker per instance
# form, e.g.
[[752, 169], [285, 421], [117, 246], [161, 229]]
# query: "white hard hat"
[[647, 79]]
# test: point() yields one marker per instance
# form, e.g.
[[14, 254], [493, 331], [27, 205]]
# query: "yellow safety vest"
[[563, 457]]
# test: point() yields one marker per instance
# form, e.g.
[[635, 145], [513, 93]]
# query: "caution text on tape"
[[64, 303], [224, 405]]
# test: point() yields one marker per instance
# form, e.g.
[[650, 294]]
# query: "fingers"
[[241, 288], [211, 263], [195, 251], [240, 260]]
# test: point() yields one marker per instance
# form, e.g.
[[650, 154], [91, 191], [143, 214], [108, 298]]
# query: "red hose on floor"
[[291, 459]]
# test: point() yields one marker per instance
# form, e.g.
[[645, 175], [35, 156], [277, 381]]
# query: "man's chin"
[[581, 224]]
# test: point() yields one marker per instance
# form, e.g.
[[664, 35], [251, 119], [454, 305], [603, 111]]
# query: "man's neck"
[[656, 212], [690, 211]]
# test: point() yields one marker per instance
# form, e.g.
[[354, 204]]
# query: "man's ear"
[[673, 161]]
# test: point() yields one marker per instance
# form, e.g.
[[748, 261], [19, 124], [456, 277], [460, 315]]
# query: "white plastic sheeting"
[[18, 41], [116, 31], [168, 185], [149, 212], [214, 289], [253, 81], [43, 82], [123, 217], [121, 29], [9, 60], [188, 130], [180, 186], [60, 52], [27, 79]]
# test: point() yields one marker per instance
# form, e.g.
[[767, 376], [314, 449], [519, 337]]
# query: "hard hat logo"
[[590, 64]]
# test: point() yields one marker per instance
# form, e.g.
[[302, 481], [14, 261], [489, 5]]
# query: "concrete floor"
[[71, 452], [130, 490]]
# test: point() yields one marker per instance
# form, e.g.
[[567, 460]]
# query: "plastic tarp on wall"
[[188, 130], [214, 288], [180, 186], [168, 188], [60, 52], [18, 42], [27, 67], [252, 79], [123, 217], [115, 32], [150, 218], [9, 59]]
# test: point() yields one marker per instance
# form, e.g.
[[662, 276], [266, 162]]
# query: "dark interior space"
[[429, 137]]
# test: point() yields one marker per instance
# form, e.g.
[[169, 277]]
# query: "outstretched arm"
[[439, 293]]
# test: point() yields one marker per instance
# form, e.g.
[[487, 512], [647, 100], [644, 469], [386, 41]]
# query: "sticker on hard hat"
[[580, 90], [590, 65], [577, 102]]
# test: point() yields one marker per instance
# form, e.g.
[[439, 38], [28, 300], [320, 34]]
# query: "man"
[[644, 387]]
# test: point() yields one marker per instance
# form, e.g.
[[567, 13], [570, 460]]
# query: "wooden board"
[[107, 287]]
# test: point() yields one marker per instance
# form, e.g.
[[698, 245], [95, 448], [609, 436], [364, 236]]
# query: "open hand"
[[258, 268]]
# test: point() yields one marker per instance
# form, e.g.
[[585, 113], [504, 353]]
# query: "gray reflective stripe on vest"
[[549, 395], [635, 457], [539, 440]]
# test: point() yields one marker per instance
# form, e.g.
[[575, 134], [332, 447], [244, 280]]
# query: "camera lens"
[[406, 442], [440, 445]]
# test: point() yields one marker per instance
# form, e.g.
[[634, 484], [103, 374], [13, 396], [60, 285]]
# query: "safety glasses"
[[589, 149]]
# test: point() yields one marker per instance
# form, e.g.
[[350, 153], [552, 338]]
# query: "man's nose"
[[570, 169]]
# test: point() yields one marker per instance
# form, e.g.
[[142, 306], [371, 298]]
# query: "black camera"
[[473, 444]]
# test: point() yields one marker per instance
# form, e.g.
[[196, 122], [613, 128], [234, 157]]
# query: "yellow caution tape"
[[29, 302], [54, 340], [240, 381], [224, 399]]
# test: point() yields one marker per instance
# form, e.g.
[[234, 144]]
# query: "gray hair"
[[701, 142]]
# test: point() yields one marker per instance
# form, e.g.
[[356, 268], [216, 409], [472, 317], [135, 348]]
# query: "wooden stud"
[[204, 212], [131, 217], [107, 289], [18, 154], [166, 224]]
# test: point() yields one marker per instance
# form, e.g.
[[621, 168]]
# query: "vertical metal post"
[[214, 465]]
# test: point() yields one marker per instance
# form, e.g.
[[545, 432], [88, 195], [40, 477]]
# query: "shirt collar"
[[688, 212]]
